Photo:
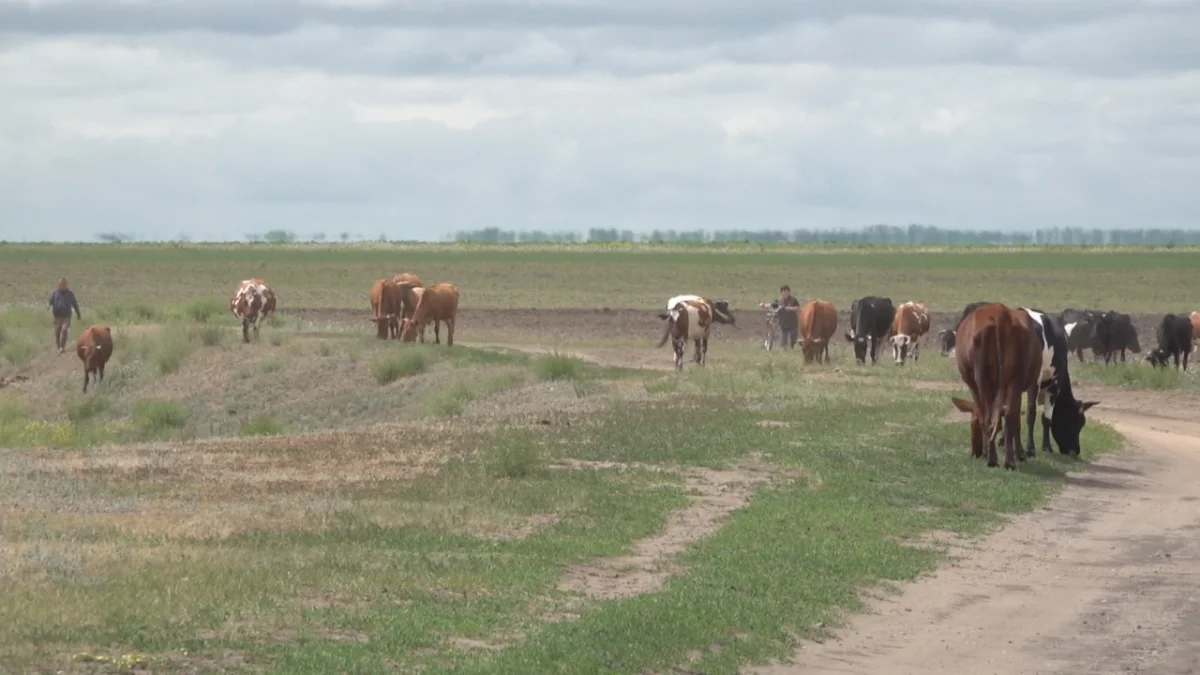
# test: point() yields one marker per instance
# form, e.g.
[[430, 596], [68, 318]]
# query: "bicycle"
[[772, 325]]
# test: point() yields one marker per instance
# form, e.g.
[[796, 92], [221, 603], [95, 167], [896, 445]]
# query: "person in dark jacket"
[[62, 301], [788, 316]]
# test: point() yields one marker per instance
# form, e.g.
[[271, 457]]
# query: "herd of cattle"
[[402, 307], [1001, 353]]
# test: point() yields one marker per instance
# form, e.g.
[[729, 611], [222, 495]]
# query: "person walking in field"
[[788, 316], [62, 301]]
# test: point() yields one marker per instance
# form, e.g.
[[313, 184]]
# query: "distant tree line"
[[873, 234]]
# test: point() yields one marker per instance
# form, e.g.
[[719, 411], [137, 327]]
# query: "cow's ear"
[[1083, 407], [964, 405], [664, 316]]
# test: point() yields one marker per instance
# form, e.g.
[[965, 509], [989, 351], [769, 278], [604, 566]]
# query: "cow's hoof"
[[1011, 467]]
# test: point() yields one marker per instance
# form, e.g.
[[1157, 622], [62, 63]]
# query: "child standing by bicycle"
[[788, 316]]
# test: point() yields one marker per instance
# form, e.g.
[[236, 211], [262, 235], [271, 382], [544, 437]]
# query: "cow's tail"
[[668, 325]]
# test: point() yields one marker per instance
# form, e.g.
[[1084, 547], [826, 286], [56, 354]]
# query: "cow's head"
[[721, 313], [946, 342], [1157, 357], [408, 331], [900, 346], [1067, 420]]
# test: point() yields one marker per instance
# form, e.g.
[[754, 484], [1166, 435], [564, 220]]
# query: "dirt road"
[[1105, 579]]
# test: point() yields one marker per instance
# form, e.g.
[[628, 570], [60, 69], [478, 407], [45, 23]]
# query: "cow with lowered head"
[[870, 320], [1062, 415], [1174, 335]]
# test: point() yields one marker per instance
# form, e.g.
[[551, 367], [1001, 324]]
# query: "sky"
[[220, 119]]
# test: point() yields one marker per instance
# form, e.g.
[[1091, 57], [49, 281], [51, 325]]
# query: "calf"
[[1079, 326], [870, 319], [946, 337], [253, 302], [94, 347], [437, 303], [997, 357], [686, 320], [818, 323], [1175, 336], [1114, 333], [385, 309], [1062, 415], [910, 324]]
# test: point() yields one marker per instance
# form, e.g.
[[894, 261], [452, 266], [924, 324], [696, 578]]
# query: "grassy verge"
[[413, 551]]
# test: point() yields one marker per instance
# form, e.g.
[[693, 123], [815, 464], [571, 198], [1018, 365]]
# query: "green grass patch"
[[558, 367], [391, 367], [159, 418], [453, 401], [87, 409], [1135, 375], [209, 335], [263, 426]]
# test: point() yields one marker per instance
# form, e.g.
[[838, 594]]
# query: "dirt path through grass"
[[1102, 580]]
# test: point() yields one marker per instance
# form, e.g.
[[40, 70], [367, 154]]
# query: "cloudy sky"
[[414, 118]]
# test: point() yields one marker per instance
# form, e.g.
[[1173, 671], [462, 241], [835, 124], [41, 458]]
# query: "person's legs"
[[61, 328]]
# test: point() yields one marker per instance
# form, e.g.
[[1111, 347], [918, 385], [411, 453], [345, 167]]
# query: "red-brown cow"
[[385, 309], [94, 347], [1194, 317], [407, 282], [253, 302], [908, 326], [818, 323], [438, 303], [999, 358]]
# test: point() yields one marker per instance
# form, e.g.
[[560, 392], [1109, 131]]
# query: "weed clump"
[[262, 426], [389, 368], [519, 457], [558, 366], [156, 417]]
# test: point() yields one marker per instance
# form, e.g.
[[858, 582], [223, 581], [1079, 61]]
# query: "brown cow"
[[408, 303], [253, 302], [437, 303], [94, 347], [818, 323], [999, 358], [1194, 317], [385, 309], [686, 320], [908, 326]]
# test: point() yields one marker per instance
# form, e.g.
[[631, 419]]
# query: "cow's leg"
[[976, 438], [704, 361], [678, 345], [698, 356], [450, 332], [1185, 360], [245, 329], [101, 372], [1031, 397], [85, 379], [437, 331]]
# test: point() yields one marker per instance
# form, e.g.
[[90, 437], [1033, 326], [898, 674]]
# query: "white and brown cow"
[[909, 325], [253, 302], [688, 319]]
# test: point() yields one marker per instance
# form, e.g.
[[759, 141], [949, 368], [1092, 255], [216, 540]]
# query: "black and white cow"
[[870, 320], [946, 337], [1078, 325], [1114, 333], [1174, 335], [1062, 415]]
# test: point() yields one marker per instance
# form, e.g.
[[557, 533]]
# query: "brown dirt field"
[[554, 325]]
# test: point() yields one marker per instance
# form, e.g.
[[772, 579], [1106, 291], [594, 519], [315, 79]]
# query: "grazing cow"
[[818, 324], [1114, 333], [946, 337], [253, 302], [870, 320], [1175, 336], [718, 308], [1194, 317], [437, 303], [1079, 325], [998, 359], [385, 309], [94, 347], [909, 325], [407, 302], [686, 320], [1062, 414]]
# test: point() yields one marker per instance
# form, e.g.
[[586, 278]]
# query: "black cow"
[[1174, 335], [1078, 325], [1114, 332], [870, 320], [946, 337], [1062, 415]]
